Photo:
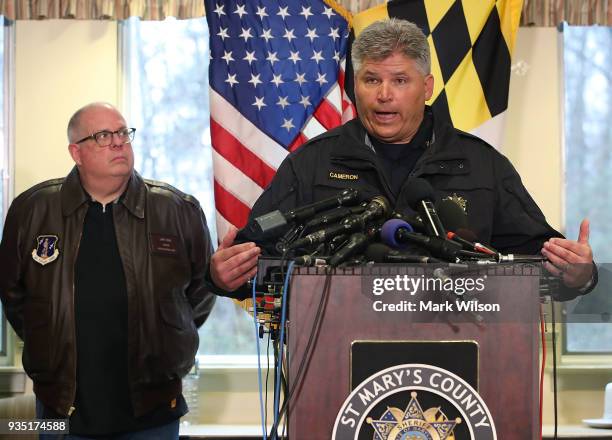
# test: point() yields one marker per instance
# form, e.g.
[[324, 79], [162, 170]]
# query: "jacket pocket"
[[36, 337], [179, 335]]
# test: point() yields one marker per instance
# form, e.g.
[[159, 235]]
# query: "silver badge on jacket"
[[46, 249], [458, 200]]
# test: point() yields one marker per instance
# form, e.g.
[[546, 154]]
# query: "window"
[[587, 63], [165, 68]]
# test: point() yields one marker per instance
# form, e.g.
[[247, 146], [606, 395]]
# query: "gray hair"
[[75, 120], [384, 37]]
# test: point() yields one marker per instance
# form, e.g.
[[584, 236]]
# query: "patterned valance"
[[100, 9], [535, 12], [575, 12]]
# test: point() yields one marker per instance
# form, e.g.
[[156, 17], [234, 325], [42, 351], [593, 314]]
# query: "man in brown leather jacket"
[[104, 278]]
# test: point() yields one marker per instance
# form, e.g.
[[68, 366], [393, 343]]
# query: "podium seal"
[[453, 409]]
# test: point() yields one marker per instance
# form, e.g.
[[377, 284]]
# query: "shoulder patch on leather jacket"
[[47, 249]]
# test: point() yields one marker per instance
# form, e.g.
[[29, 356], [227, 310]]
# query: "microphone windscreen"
[[388, 230], [377, 252], [413, 191], [414, 220], [452, 216]]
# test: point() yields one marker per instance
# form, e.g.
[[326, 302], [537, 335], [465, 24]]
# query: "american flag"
[[276, 80]]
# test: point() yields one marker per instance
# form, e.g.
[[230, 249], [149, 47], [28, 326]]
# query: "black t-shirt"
[[398, 160], [103, 403]]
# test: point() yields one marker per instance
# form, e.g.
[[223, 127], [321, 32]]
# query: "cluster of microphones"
[[343, 229]]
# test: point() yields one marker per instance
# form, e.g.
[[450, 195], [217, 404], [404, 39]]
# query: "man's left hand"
[[572, 261], [233, 265]]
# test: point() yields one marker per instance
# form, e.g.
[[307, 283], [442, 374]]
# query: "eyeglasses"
[[104, 138]]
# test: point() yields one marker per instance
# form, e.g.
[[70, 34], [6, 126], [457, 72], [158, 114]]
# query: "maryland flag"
[[471, 45]]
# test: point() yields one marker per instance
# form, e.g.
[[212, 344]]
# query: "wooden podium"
[[332, 311]]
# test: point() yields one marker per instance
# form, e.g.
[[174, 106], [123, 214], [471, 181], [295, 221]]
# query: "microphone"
[[388, 230], [401, 232], [327, 218], [268, 224], [412, 219], [379, 253], [453, 217], [468, 245], [288, 237], [419, 195], [310, 260], [377, 207], [355, 244], [334, 215], [346, 197], [460, 237], [519, 258], [447, 273]]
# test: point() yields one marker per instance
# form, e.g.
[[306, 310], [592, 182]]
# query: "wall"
[[59, 67], [62, 65], [533, 126]]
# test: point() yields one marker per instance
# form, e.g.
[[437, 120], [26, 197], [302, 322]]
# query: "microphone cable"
[[261, 405], [313, 336], [543, 338], [281, 342], [278, 364], [275, 348], [554, 363], [284, 371], [267, 380]]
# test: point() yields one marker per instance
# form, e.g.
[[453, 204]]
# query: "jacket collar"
[[445, 143], [134, 195], [355, 144], [73, 195], [443, 140]]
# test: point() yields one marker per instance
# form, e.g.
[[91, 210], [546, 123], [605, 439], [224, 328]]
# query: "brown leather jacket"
[[165, 247]]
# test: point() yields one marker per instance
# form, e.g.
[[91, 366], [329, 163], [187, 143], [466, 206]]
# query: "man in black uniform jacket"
[[397, 136]]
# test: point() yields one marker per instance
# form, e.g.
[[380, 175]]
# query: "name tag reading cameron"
[[163, 244]]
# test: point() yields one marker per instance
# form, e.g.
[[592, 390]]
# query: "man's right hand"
[[232, 266]]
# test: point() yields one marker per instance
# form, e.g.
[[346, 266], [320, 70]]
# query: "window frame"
[[574, 361], [9, 339], [217, 363]]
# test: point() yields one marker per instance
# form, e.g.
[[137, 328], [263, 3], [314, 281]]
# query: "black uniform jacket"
[[164, 246], [499, 209]]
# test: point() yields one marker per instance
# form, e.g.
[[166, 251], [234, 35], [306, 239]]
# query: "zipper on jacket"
[[76, 254]]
